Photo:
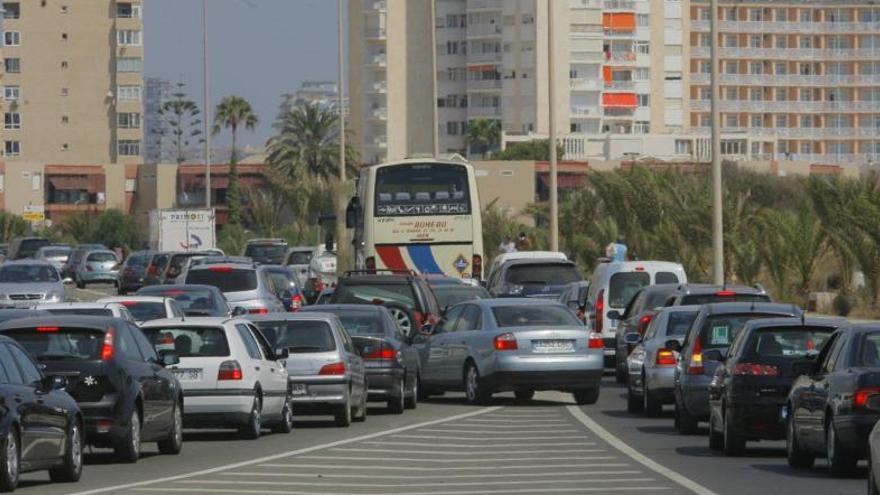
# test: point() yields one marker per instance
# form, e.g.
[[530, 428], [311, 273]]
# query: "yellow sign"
[[33, 216]]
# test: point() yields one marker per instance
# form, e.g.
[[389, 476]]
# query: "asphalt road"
[[548, 445]]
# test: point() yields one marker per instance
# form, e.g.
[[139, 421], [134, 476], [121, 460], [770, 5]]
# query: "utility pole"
[[551, 81], [343, 247], [206, 103], [434, 112], [717, 191]]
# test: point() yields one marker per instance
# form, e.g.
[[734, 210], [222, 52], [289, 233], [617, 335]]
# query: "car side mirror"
[[716, 355], [614, 315], [632, 338], [673, 345], [168, 358], [282, 353], [53, 382], [239, 311]]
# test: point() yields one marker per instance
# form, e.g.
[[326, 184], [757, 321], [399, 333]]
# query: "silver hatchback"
[[243, 284]]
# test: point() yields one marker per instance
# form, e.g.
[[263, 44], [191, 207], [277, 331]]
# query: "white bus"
[[421, 215]]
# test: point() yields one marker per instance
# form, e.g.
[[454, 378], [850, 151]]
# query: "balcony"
[[480, 112], [473, 5], [579, 84], [786, 54], [484, 30], [375, 34], [620, 58], [374, 6], [379, 114], [581, 56], [761, 106], [378, 60], [629, 5], [773, 27], [484, 85], [620, 85], [484, 57], [789, 79], [378, 87], [580, 111]]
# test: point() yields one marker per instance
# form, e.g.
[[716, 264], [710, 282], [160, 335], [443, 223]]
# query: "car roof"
[[660, 288], [234, 265], [513, 301], [632, 265], [180, 287], [28, 261], [866, 327], [190, 321], [680, 309], [796, 322], [532, 255], [750, 307], [366, 308], [77, 304], [539, 261], [712, 288], [308, 315], [120, 299], [302, 249], [80, 321]]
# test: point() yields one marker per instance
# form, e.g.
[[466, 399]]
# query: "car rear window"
[[224, 278], [401, 293], [666, 278], [194, 302], [56, 253], [27, 274], [137, 261], [700, 299], [101, 257], [788, 342], [190, 341], [543, 273], [274, 252], [679, 322], [450, 295], [533, 316], [52, 343], [28, 247], [144, 311], [361, 322], [81, 311], [623, 286], [656, 299], [299, 337], [299, 258], [719, 330]]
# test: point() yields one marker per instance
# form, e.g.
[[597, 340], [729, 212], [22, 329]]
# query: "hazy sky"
[[258, 49]]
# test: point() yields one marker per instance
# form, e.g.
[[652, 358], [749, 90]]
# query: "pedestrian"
[[507, 245], [522, 243]]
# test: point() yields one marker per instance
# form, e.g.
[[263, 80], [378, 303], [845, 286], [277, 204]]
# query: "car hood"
[[31, 287]]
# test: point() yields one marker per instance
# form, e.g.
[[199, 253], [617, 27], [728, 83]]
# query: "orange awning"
[[606, 73], [481, 68], [620, 100], [619, 21]]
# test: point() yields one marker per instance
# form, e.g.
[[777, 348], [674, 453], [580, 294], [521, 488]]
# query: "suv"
[[243, 284], [133, 272], [407, 296], [298, 260], [267, 251], [26, 247], [541, 277]]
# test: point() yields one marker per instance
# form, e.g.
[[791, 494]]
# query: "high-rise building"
[[73, 82], [158, 144]]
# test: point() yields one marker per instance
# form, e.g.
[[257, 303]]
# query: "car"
[[523, 255], [749, 392], [122, 386], [147, 308], [406, 295], [26, 283], [450, 294], [266, 251], [17, 313], [193, 299], [284, 286], [40, 424], [540, 277], [298, 260], [76, 256], [697, 294], [651, 364], [178, 260], [207, 260], [231, 376], [612, 287], [828, 411], [715, 328], [99, 308], [132, 274], [326, 373], [321, 274], [575, 297], [635, 319], [96, 266], [56, 255], [325, 296], [392, 364], [520, 345], [26, 247], [242, 284], [872, 402]]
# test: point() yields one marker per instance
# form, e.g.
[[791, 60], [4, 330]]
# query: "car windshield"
[[227, 279], [303, 336], [718, 297], [145, 311], [21, 274], [81, 311], [194, 302], [189, 341], [49, 343], [679, 322], [360, 322], [623, 286], [533, 316], [271, 252], [787, 342], [543, 273], [299, 258], [719, 330], [450, 295], [101, 258], [375, 294]]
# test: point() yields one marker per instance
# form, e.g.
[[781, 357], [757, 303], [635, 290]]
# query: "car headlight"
[[4, 297]]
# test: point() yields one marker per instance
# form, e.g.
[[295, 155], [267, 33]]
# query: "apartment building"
[[158, 144], [72, 81]]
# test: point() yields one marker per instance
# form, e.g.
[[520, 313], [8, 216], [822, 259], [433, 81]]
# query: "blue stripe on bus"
[[424, 259]]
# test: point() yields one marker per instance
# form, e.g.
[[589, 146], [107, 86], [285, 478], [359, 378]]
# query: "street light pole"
[[206, 103], [343, 247], [435, 112], [551, 81], [717, 191]]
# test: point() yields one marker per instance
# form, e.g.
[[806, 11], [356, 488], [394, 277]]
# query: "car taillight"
[[600, 310], [382, 352], [665, 357], [370, 263], [229, 370], [258, 311], [755, 369], [47, 329], [296, 302], [477, 267], [595, 341], [725, 293], [332, 369], [220, 269], [860, 398], [696, 365], [506, 342], [107, 347], [644, 321]]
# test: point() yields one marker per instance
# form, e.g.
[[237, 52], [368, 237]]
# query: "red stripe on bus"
[[391, 257]]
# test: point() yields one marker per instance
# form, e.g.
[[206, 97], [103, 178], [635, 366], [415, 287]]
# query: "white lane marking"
[[472, 446], [492, 439], [514, 428], [513, 421], [603, 489], [451, 461], [533, 430], [349, 467], [282, 455], [426, 476], [636, 455], [414, 485], [460, 453]]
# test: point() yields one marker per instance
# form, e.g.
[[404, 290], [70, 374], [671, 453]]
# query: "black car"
[[43, 429], [195, 300], [544, 278], [748, 394], [119, 382], [408, 297], [635, 319], [827, 411], [26, 247], [391, 365], [132, 275], [156, 267]]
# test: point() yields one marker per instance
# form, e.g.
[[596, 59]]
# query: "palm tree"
[[483, 134], [231, 113]]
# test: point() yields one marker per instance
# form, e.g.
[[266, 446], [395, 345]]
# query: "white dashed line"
[[438, 476]]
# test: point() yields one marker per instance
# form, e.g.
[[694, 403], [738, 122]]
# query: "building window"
[[782, 121], [12, 148], [682, 147], [128, 10], [128, 64], [808, 121], [731, 94], [128, 37], [12, 65], [12, 120], [643, 47], [452, 128], [641, 127], [528, 19], [641, 74], [64, 64], [129, 147], [12, 93], [781, 68], [731, 120], [65, 147], [643, 100], [756, 94], [65, 119], [11, 10], [12, 38], [642, 20], [705, 120], [129, 93], [781, 94], [128, 120], [705, 93], [65, 92], [757, 121]]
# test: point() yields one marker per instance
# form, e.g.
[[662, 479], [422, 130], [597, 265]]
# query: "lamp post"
[[717, 191], [206, 103], [551, 81], [343, 247]]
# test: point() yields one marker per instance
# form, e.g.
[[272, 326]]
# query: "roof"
[[372, 308], [796, 322], [628, 265], [528, 255], [96, 322], [179, 287], [121, 299], [751, 307], [309, 315], [710, 288], [514, 301], [73, 305], [188, 321]]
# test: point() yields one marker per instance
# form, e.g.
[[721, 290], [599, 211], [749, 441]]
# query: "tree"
[[11, 226], [536, 149], [179, 121], [483, 134], [111, 228], [232, 113]]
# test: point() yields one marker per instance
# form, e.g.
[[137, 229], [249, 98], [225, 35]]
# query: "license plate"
[[548, 346], [298, 389], [187, 374]]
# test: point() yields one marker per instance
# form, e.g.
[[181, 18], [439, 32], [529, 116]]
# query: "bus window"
[[422, 189]]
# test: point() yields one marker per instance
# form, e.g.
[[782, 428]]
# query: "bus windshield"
[[422, 189]]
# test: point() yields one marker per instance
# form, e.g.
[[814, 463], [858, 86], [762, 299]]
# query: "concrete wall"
[[510, 183]]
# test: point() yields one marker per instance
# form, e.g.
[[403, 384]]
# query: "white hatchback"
[[146, 308], [231, 377]]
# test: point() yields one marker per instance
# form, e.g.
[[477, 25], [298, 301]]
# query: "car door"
[[460, 342], [815, 397], [253, 364], [437, 348], [273, 375], [165, 384], [145, 375], [34, 441], [354, 363]]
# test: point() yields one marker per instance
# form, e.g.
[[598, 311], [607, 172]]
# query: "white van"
[[614, 284]]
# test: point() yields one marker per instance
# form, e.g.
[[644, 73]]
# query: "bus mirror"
[[352, 213]]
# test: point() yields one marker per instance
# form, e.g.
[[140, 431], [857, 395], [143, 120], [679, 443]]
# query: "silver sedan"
[[520, 345], [651, 365]]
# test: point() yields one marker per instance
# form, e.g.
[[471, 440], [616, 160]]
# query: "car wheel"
[[840, 462], [798, 458], [286, 423], [342, 416], [361, 415], [173, 443], [524, 394], [402, 316], [586, 396], [10, 460], [734, 443], [396, 403], [129, 449], [650, 403], [716, 438], [71, 470], [684, 422], [634, 403], [252, 429], [475, 392], [412, 399]]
